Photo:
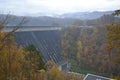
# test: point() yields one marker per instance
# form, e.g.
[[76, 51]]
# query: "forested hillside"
[[84, 46], [88, 51], [105, 19]]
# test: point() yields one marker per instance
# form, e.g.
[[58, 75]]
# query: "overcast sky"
[[24, 7]]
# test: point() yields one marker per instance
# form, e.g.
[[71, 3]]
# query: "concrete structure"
[[46, 40], [95, 77]]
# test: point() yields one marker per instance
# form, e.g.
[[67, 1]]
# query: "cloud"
[[57, 6]]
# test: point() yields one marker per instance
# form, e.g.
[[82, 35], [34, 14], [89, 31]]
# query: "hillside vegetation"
[[93, 49]]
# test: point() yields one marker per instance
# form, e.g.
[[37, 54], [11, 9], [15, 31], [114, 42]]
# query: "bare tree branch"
[[5, 21]]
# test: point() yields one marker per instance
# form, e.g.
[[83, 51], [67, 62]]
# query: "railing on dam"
[[8, 29]]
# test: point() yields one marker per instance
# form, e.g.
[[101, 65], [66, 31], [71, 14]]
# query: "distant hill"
[[79, 19], [86, 15], [38, 21], [103, 20]]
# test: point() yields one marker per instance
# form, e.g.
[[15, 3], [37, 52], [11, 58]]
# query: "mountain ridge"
[[87, 15], [59, 20]]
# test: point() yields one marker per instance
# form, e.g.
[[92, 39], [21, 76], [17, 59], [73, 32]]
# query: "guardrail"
[[31, 29]]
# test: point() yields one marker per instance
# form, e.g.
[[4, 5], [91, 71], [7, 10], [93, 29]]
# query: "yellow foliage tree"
[[113, 39], [11, 58], [79, 49]]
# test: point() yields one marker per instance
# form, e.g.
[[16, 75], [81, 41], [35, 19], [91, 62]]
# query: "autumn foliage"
[[94, 49], [19, 63]]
